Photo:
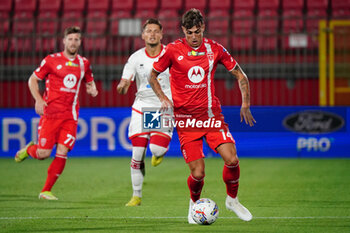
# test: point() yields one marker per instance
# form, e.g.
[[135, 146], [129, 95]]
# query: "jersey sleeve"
[[88, 77], [44, 69], [129, 70], [226, 59], [164, 60]]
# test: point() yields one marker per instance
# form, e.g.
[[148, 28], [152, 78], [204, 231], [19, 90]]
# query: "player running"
[[138, 68], [193, 61], [59, 106]]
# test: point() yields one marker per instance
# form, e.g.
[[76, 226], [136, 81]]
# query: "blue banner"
[[279, 132]]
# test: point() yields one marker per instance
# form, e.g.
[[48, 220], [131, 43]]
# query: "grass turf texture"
[[284, 195]]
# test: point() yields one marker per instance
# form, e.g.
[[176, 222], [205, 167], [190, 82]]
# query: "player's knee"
[[43, 154], [233, 160], [198, 174], [157, 150]]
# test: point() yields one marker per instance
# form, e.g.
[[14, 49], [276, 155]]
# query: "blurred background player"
[[193, 61], [138, 68], [59, 106]]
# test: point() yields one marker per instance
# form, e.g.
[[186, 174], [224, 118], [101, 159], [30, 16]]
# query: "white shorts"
[[136, 126]]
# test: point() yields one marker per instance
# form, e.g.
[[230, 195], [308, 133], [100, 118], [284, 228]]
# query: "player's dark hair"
[[192, 18], [71, 30], [152, 21]]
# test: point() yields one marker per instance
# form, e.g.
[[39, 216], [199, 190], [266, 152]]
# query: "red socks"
[[195, 186], [32, 151], [54, 171], [230, 176]]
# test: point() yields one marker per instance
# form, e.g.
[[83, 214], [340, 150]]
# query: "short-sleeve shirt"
[[192, 74], [138, 68], [62, 81]]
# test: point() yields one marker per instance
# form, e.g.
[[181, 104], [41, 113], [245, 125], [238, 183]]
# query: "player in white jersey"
[[138, 68]]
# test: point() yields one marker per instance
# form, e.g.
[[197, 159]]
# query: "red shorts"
[[192, 142], [54, 131]]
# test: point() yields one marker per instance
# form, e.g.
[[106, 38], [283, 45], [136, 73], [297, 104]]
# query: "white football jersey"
[[139, 68]]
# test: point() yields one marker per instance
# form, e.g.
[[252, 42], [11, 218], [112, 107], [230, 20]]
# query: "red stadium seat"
[[268, 5], [218, 21], [248, 5], [96, 22], [6, 5], [241, 42], [47, 22], [98, 5], [95, 43], [72, 18], [171, 5], [223, 40], [45, 45], [50, 5], [243, 22], [145, 14], [25, 5], [76, 5], [150, 5], [199, 4], [122, 5], [341, 9], [170, 21], [221, 5], [4, 22]]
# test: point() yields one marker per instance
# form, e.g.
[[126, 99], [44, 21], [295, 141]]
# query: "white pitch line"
[[111, 217]]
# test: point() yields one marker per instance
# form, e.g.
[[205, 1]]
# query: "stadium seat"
[[292, 19], [316, 10], [241, 42], [199, 4], [145, 14], [50, 5], [170, 21], [171, 5], [247, 5], [98, 5], [76, 5], [267, 24], [341, 9], [25, 5], [122, 5], [222, 5], [151, 5], [96, 25], [46, 31], [218, 21], [4, 22], [72, 18], [223, 40]]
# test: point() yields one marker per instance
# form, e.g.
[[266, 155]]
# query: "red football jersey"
[[63, 79], [192, 75]]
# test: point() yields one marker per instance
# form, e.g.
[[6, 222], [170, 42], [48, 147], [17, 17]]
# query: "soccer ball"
[[205, 211]]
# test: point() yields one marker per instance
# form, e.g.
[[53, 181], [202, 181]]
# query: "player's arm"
[[40, 104], [153, 81], [245, 91], [123, 86], [91, 88]]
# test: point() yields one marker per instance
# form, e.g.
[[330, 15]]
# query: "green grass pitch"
[[284, 195]]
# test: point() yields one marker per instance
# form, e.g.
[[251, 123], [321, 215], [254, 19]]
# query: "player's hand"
[[166, 104], [40, 104], [91, 90], [247, 116]]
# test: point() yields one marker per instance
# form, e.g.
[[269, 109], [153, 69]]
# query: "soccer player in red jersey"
[[59, 106], [192, 62]]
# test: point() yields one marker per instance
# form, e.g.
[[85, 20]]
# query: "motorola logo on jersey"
[[70, 80], [196, 74]]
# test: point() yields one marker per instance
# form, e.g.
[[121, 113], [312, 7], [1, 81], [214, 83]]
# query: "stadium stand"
[[243, 25], [267, 24], [257, 32]]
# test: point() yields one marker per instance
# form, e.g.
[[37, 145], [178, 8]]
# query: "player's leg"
[[65, 142], [54, 171], [43, 149], [159, 145], [193, 154], [137, 168], [231, 174]]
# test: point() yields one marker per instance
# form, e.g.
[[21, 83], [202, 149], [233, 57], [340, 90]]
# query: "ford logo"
[[313, 122]]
